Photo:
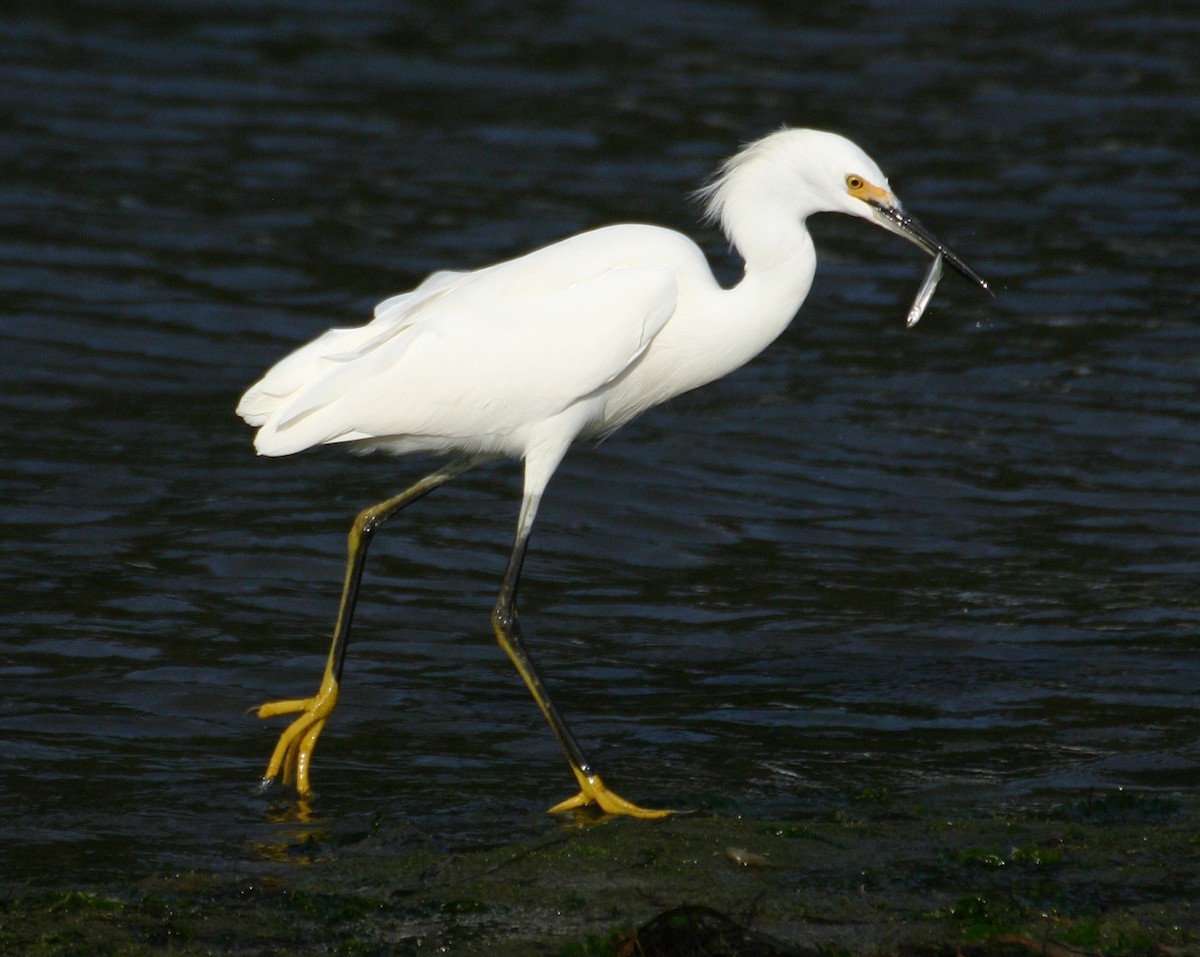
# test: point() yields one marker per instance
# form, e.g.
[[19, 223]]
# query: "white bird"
[[521, 359]]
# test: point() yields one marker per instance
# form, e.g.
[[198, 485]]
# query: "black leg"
[[508, 633], [293, 753]]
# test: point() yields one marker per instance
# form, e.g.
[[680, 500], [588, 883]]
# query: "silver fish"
[[925, 293]]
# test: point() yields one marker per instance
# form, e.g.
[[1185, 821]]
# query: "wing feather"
[[308, 363], [473, 359]]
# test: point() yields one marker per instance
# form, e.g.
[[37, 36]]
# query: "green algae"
[[1114, 875]]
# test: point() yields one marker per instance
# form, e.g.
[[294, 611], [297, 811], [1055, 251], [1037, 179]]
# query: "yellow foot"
[[293, 753], [593, 791]]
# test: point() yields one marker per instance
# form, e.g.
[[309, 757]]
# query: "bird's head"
[[803, 171], [840, 172]]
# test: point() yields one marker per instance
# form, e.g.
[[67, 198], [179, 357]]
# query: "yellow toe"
[[594, 791], [571, 804], [292, 757], [273, 708]]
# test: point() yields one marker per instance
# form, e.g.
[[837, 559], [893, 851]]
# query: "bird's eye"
[[855, 183]]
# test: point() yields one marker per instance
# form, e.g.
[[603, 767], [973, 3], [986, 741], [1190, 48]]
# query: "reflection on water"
[[960, 560]]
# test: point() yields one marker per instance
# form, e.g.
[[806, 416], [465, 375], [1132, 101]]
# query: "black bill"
[[894, 217]]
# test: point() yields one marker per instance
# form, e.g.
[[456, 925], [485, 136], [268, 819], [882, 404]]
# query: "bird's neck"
[[740, 322], [721, 331], [776, 279]]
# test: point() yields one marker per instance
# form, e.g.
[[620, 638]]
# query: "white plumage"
[[475, 362], [521, 358]]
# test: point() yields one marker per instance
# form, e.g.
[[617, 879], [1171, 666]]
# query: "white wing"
[[467, 359], [300, 368]]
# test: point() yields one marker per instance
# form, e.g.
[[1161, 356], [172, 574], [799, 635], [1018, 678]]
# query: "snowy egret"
[[520, 359]]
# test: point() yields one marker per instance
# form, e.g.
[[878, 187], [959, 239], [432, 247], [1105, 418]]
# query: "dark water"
[[960, 560]]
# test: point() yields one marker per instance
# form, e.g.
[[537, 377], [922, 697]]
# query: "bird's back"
[[472, 361]]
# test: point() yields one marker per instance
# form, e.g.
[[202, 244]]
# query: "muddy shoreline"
[[1114, 874]]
